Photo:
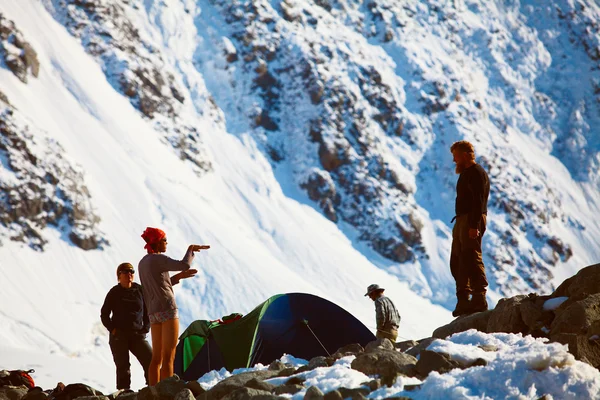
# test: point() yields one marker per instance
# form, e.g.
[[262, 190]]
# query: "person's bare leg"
[[170, 333], [155, 363]]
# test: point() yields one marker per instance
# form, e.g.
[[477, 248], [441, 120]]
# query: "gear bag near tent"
[[299, 324]]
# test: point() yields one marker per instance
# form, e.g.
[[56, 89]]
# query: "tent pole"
[[311, 331]]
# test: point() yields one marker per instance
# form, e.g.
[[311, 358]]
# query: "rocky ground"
[[520, 343]]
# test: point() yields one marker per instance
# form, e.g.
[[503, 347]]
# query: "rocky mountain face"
[[15, 52], [110, 32], [41, 187], [361, 101], [356, 103]]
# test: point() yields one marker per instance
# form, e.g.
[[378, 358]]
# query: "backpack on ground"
[[17, 377], [73, 391]]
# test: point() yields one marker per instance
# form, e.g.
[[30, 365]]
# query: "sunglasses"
[[127, 271]]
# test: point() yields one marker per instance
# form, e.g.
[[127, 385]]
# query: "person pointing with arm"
[[159, 297]]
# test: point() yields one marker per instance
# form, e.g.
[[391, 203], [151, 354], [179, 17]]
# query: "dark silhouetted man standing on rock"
[[386, 315], [466, 263]]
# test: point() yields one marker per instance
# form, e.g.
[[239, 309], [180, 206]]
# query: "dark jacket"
[[472, 192], [128, 310]]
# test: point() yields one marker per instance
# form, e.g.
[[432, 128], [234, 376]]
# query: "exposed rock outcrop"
[[42, 187], [15, 52], [136, 68], [570, 315]]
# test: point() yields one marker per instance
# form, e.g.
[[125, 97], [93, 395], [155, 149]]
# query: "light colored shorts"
[[163, 316]]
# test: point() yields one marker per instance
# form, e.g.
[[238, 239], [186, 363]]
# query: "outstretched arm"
[[183, 275]]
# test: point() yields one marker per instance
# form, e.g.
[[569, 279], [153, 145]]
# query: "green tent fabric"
[[235, 340], [299, 324]]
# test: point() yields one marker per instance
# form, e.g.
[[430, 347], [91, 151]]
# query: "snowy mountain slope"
[[307, 142], [262, 242], [360, 101], [352, 105]]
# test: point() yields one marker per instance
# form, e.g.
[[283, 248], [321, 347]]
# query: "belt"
[[456, 216]]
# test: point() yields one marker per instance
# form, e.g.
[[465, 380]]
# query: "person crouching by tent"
[[157, 287], [386, 314], [128, 325]]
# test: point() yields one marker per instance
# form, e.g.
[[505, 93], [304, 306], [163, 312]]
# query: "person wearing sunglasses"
[[128, 325], [157, 286]]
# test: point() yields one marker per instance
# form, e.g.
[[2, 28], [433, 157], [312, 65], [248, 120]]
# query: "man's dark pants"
[[466, 262], [120, 345]]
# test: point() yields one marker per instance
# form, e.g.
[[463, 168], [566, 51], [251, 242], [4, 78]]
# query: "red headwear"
[[152, 236]]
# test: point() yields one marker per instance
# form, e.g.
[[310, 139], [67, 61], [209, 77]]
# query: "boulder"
[[373, 384], [385, 363], [480, 362], [423, 344], [594, 329], [506, 317], [533, 314], [259, 385], [287, 389], [578, 317], [432, 361], [148, 393], [407, 344], [249, 393], [477, 321], [295, 380], [276, 366], [12, 392], [36, 393], [585, 282], [333, 395], [385, 344], [317, 362], [234, 383], [580, 346], [185, 394], [195, 388], [92, 398], [170, 387], [349, 350], [354, 394], [287, 372], [313, 393], [127, 396]]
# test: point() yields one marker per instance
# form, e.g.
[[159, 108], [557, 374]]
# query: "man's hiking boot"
[[463, 306], [478, 303]]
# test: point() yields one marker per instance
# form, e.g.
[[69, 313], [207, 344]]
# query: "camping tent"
[[298, 324]]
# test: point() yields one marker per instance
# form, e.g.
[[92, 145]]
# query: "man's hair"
[[464, 147]]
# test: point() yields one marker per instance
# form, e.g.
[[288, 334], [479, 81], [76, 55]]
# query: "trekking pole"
[[305, 321]]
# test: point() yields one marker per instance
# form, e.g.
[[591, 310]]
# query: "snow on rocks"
[[361, 103], [573, 320], [16, 53], [137, 67], [522, 366], [553, 304], [486, 366], [41, 187]]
